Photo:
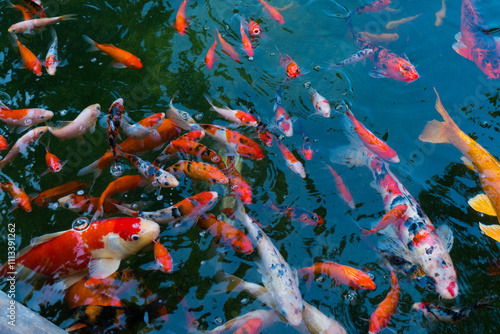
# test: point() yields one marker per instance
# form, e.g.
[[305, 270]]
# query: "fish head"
[[241, 244], [293, 70], [133, 62], [204, 201], [254, 29], [165, 179], [323, 108], [155, 120], [298, 168], [73, 201], [407, 71], [291, 306], [307, 151]]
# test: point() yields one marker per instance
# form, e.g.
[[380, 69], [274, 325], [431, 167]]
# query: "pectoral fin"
[[446, 236], [378, 73], [462, 50], [102, 268], [492, 231], [468, 163], [482, 203]]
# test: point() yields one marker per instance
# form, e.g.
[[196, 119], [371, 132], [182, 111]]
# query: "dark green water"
[[396, 111]]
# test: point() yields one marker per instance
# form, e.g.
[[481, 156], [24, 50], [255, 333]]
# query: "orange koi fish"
[[53, 194], [186, 210], [29, 25], [198, 171], [162, 257], [31, 62], [380, 319], [273, 12], [226, 233], [247, 45], [341, 274], [139, 131], [283, 121], [366, 36], [20, 198], [395, 24], [114, 123], [310, 218], [291, 68], [53, 162], [254, 29], [239, 186], [228, 49], [211, 58], [27, 14], [306, 150], [181, 22], [341, 188], [22, 144], [3, 143], [35, 7], [167, 132], [291, 161], [237, 116], [122, 58], [103, 294], [96, 249], [24, 118], [192, 148], [393, 217], [251, 326]]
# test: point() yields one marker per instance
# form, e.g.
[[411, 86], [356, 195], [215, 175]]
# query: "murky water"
[[395, 111]]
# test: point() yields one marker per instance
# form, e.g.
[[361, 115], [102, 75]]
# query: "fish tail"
[[306, 273], [349, 155], [93, 45], [209, 100], [68, 17], [126, 210], [486, 302], [92, 168], [492, 231], [434, 132], [365, 233]]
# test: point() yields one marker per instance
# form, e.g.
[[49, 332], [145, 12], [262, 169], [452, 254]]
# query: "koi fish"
[[198, 171], [380, 319], [475, 42], [283, 121], [357, 131], [140, 131], [375, 6], [226, 233], [211, 58], [3, 143], [277, 276], [238, 185], [440, 14], [31, 62], [163, 258], [53, 194], [292, 70], [20, 198], [22, 144], [27, 14], [355, 58], [341, 274], [395, 24], [24, 118], [81, 204], [85, 121], [341, 188], [54, 164], [306, 149], [181, 22], [167, 132], [366, 36], [265, 135], [192, 148], [394, 217], [291, 161], [273, 12], [249, 323], [313, 320], [415, 238], [35, 7], [247, 45], [310, 218], [186, 210], [29, 25], [476, 157], [105, 293], [122, 58], [96, 249], [387, 63], [51, 59], [228, 49], [243, 145], [114, 123], [237, 116], [436, 312], [320, 104], [412, 271], [254, 29]]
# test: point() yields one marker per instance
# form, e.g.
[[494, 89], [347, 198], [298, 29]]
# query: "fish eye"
[[283, 311], [237, 247], [135, 237]]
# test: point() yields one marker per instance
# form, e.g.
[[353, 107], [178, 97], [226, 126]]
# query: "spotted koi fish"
[[192, 148], [114, 123], [198, 171], [356, 58], [283, 121], [170, 151], [24, 118]]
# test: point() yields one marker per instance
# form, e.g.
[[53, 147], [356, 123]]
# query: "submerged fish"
[[436, 312], [226, 233], [283, 121], [114, 123], [273, 12], [181, 22], [381, 317], [341, 274], [298, 214], [51, 59]]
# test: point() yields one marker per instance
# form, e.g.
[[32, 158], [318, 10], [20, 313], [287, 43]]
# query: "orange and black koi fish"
[[35, 8], [226, 233], [192, 148], [310, 218], [114, 123], [198, 171]]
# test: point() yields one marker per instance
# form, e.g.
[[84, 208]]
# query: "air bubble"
[[220, 218], [144, 196], [198, 116], [93, 60], [244, 301], [177, 225], [307, 84], [202, 233], [218, 320], [203, 262], [316, 68], [117, 170], [80, 192], [80, 224], [371, 276], [351, 296], [64, 112], [320, 279], [54, 205], [159, 197]]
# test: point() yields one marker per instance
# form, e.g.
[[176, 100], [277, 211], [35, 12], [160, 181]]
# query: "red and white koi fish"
[[375, 6], [29, 25], [31, 62], [380, 319], [24, 118], [51, 59], [341, 274], [247, 45], [163, 258], [265, 135], [85, 121], [320, 104], [211, 58], [22, 144], [254, 29], [298, 214], [20, 198], [238, 185], [140, 131], [3, 143], [96, 249], [414, 238], [436, 312], [393, 217], [226, 233], [237, 116], [181, 22], [283, 121], [243, 145], [291, 161], [122, 58], [228, 48], [475, 43], [343, 192], [357, 131], [273, 12]]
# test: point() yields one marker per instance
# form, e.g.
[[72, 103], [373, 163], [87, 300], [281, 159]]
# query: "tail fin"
[[93, 45], [486, 302], [173, 115], [349, 155], [492, 231], [126, 210], [306, 273], [434, 132], [209, 100], [92, 168]]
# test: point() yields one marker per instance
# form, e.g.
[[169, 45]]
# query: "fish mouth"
[[450, 292]]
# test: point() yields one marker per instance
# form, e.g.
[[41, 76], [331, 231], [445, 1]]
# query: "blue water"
[[396, 111]]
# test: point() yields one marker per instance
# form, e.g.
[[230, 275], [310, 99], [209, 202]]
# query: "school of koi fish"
[[97, 267]]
